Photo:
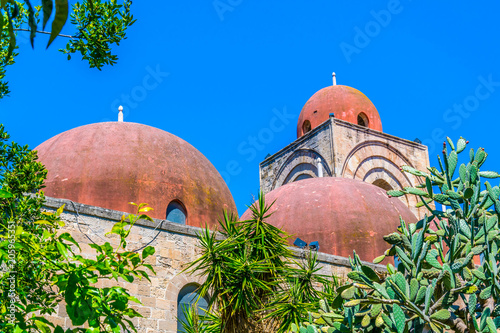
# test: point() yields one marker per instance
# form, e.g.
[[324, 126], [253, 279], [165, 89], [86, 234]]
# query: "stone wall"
[[175, 246], [350, 151], [318, 143]]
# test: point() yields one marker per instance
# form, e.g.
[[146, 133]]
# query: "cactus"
[[437, 286]]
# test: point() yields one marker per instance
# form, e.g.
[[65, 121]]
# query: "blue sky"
[[225, 68]]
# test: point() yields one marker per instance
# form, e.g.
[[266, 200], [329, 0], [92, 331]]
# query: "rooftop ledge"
[[340, 122], [114, 215]]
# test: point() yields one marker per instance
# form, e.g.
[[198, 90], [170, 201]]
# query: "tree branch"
[[44, 32]]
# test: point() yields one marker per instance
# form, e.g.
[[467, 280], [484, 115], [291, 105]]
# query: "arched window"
[[306, 127], [383, 184], [176, 212], [362, 120], [303, 176], [188, 297]]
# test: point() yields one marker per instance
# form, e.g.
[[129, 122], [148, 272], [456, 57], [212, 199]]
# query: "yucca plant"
[[254, 281]]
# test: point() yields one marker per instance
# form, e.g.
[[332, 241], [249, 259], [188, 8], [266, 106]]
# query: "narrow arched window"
[[176, 212], [188, 298], [362, 120], [306, 127]]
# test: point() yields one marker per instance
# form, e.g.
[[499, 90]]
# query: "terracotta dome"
[[341, 214], [110, 164], [344, 102]]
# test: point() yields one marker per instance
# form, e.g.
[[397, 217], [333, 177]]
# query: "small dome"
[[113, 163], [344, 102], [341, 214]]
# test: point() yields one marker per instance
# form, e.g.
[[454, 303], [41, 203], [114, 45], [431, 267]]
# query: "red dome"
[[341, 214], [113, 163], [344, 102]]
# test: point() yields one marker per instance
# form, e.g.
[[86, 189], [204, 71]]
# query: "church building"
[[329, 187]]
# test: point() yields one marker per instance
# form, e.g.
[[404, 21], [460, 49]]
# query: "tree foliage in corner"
[[40, 265], [96, 25], [439, 285]]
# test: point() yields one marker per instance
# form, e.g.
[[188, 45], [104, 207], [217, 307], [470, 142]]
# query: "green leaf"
[[356, 276], [472, 304], [441, 198], [381, 290], [428, 185], [414, 171], [428, 295], [452, 163], [441, 315], [480, 275], [453, 195], [486, 313], [69, 238], [413, 289], [485, 293], [400, 281], [42, 326], [31, 22], [465, 228], [348, 293], [395, 193], [370, 273], [375, 310], [145, 209], [399, 318], [3, 193], [59, 20], [404, 258], [491, 325], [47, 6], [352, 303], [480, 156], [473, 173], [418, 244], [450, 142], [149, 250], [461, 144], [379, 259], [60, 210], [468, 193], [415, 191], [431, 259], [12, 37], [489, 174], [62, 250], [420, 295]]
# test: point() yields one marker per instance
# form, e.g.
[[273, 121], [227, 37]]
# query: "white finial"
[[334, 79], [320, 167], [120, 114]]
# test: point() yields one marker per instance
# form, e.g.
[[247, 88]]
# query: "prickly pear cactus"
[[448, 277]]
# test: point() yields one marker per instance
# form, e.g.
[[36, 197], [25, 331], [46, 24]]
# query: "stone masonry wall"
[[318, 143], [175, 247], [350, 151]]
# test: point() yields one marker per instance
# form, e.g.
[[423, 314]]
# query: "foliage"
[[253, 280], [97, 24], [41, 267], [437, 286], [7, 36]]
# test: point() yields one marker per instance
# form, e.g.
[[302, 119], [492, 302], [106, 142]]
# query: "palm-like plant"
[[252, 276]]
